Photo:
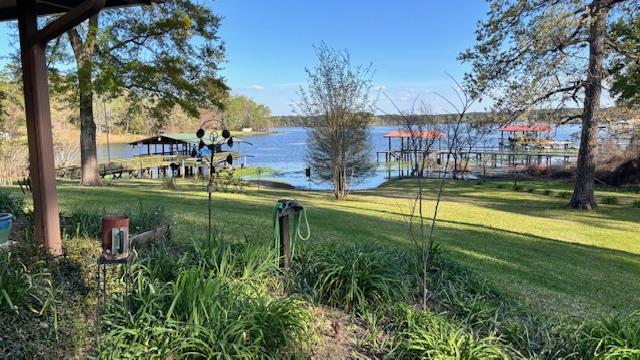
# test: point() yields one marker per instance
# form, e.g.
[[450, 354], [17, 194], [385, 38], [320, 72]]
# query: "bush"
[[11, 203], [531, 190], [610, 200], [636, 204], [353, 276], [517, 187], [547, 192]]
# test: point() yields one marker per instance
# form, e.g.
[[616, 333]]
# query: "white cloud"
[[257, 87]]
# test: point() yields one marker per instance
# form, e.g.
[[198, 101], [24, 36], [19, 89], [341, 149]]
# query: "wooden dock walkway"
[[144, 166]]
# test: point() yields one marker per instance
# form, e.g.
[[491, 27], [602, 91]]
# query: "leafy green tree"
[[625, 67], [158, 56], [536, 53], [337, 105], [241, 111]]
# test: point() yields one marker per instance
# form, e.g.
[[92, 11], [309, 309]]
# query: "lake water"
[[285, 152]]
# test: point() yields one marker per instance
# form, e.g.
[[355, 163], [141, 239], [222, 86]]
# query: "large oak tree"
[[538, 53], [159, 57]]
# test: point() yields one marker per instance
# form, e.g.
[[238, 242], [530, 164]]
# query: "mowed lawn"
[[531, 247]]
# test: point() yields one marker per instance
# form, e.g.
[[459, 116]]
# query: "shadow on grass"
[[554, 276]]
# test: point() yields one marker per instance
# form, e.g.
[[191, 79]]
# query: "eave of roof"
[[8, 8]]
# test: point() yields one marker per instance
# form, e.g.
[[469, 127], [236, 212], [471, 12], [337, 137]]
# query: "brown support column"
[[41, 162]]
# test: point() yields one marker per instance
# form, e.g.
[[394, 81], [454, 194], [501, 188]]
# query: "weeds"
[[87, 223], [168, 184], [11, 203], [610, 200], [564, 195]]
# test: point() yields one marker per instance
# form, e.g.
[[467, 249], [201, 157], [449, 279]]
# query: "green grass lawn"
[[530, 246]]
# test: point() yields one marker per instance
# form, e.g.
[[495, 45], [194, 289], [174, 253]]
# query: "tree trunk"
[[88, 152], [83, 52], [583, 197]]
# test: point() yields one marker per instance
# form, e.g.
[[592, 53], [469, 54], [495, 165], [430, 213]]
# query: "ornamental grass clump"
[[208, 306], [428, 335], [353, 276], [611, 337]]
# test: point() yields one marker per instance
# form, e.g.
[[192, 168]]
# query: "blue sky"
[[410, 44]]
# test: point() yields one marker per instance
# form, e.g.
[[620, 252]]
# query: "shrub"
[[613, 337], [11, 203], [352, 276], [547, 192], [610, 200], [500, 186], [531, 190], [517, 187], [564, 195], [636, 204]]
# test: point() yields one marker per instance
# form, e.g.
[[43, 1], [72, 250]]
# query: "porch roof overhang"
[[9, 8]]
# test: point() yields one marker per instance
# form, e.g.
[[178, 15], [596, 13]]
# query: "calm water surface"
[[285, 152]]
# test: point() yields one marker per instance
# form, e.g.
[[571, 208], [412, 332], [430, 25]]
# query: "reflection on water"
[[285, 152]]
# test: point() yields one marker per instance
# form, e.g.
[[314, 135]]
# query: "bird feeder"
[[115, 237]]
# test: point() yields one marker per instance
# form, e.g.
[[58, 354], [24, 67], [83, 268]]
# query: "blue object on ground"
[[6, 220]]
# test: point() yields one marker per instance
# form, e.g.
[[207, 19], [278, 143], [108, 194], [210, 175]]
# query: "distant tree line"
[[547, 116]]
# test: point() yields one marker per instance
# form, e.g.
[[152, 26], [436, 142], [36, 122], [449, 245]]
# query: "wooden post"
[[37, 111], [285, 242]]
